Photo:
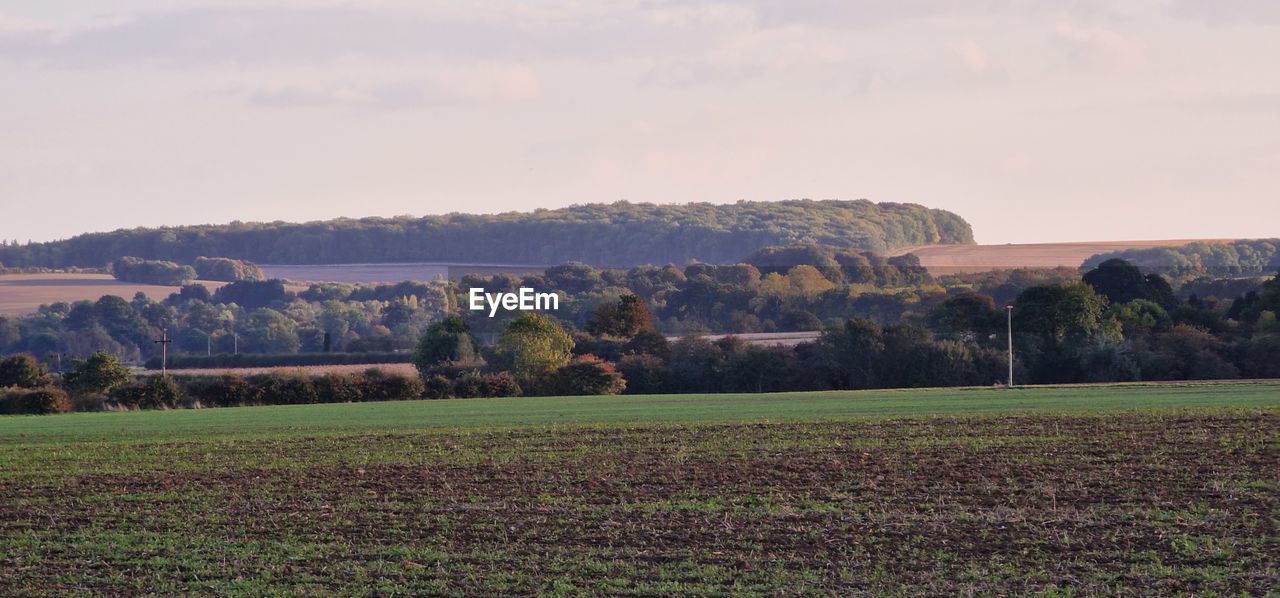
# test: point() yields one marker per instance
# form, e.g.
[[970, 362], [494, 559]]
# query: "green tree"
[[533, 346], [23, 371], [626, 318], [97, 374], [448, 341]]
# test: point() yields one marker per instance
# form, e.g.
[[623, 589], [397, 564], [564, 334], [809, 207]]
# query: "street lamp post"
[[1009, 310]]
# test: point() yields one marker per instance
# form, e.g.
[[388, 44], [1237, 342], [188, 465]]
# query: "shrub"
[[645, 374], [469, 385], [226, 269], [22, 370], [149, 392], [132, 269], [340, 388], [501, 384], [587, 375], [98, 374], [438, 387], [227, 390], [384, 386], [285, 389], [34, 401]]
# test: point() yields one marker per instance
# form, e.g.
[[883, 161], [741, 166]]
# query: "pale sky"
[[1035, 121]]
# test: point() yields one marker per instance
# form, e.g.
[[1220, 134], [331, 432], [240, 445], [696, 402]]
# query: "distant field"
[[1071, 490], [24, 293], [387, 273], [955, 259]]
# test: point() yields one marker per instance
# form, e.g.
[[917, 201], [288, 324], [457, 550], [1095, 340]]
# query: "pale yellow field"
[[955, 259], [23, 293]]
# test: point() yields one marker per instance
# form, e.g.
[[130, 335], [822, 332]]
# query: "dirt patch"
[[994, 505]]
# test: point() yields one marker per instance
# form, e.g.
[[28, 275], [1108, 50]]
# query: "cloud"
[[1100, 44], [479, 84], [1228, 11]]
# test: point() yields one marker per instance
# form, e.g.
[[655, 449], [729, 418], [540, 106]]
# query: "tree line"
[[1257, 257], [617, 234]]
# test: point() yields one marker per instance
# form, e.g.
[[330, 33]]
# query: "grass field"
[[1156, 488]]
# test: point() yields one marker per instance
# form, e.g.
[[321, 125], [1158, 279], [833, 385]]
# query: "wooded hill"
[[617, 234]]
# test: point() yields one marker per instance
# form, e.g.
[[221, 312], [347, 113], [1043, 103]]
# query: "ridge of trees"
[[617, 234], [1253, 257]]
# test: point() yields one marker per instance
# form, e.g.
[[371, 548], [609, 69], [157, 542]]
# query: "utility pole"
[[1009, 310], [164, 352]]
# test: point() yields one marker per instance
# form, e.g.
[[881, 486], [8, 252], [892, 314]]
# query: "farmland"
[[956, 259], [24, 293], [1162, 487]]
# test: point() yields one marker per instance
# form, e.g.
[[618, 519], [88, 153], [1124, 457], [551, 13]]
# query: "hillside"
[[617, 234]]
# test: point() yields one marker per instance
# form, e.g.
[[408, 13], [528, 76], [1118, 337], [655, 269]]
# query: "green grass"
[[689, 408], [1165, 488]]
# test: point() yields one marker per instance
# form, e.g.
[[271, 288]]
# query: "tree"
[[852, 352], [97, 374], [626, 318], [23, 371], [587, 375], [448, 341], [534, 346]]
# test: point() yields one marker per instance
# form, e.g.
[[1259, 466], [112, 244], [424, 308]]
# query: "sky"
[[1035, 121]]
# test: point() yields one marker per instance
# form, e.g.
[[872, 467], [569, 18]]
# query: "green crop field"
[[1159, 488]]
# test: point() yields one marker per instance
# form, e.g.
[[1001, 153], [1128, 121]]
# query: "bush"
[[132, 269], [645, 374], [385, 386], [149, 392], [226, 269], [285, 389], [228, 390], [469, 385], [22, 370], [587, 375], [501, 384], [34, 401], [438, 387], [340, 388]]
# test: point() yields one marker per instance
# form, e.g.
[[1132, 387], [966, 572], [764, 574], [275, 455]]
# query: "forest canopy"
[[1257, 257], [618, 234]]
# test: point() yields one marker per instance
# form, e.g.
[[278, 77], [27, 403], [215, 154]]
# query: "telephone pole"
[[1009, 310], [164, 351]]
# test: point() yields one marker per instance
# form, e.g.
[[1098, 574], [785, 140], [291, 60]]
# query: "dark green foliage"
[[161, 272], [226, 269], [285, 389], [1122, 282], [587, 375], [469, 385], [448, 341], [437, 387], [227, 390], [23, 371], [1196, 260], [644, 373], [842, 264], [618, 234], [251, 294], [147, 392], [33, 401], [97, 374], [386, 386]]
